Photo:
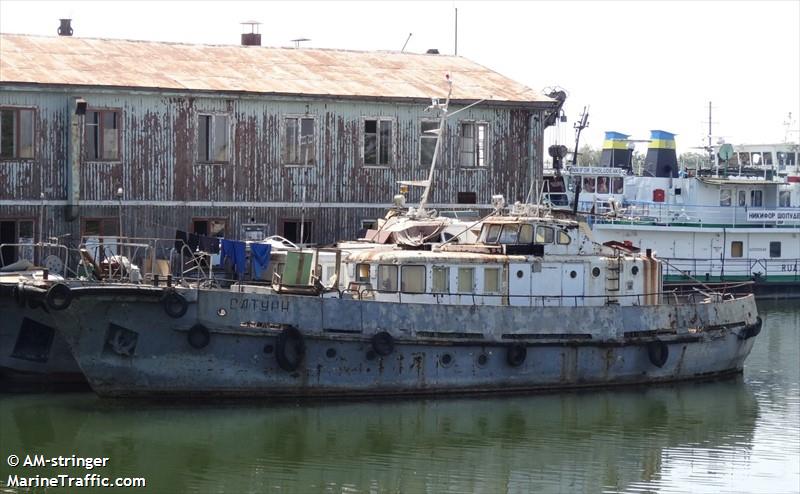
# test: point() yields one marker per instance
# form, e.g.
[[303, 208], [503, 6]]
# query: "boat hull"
[[248, 345]]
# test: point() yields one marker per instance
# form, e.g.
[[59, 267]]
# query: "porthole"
[[222, 312], [446, 359], [635, 270], [330, 352], [595, 272], [482, 359], [520, 274], [268, 349], [573, 274]]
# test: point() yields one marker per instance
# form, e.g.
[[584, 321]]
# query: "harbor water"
[[734, 435]]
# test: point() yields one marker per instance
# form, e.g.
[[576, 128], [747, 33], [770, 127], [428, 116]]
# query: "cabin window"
[[102, 135], [213, 139], [756, 198], [766, 157], [466, 280], [510, 234], [16, 133], [756, 158], [744, 159], [588, 184], [617, 185], [362, 273], [526, 234], [473, 144], [785, 159], [563, 238], [602, 185], [413, 280], [784, 199], [377, 142], [427, 142], [544, 235], [299, 141], [737, 248], [491, 280], [741, 198], [440, 278], [774, 249], [725, 197], [492, 233], [387, 278]]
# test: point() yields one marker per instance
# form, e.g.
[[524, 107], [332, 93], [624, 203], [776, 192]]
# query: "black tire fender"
[[383, 343], [751, 330], [198, 337], [175, 305], [658, 352], [58, 296], [516, 354], [290, 349]]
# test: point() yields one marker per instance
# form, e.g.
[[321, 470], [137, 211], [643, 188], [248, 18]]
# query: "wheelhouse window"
[[16, 133], [491, 280], [413, 279], [378, 142], [617, 185], [466, 280], [563, 238], [102, 135], [473, 144], [387, 278], [786, 159], [510, 234], [427, 142], [741, 197], [440, 279], [737, 248], [588, 184], [491, 233], [756, 198], [526, 234], [784, 199], [213, 138], [299, 139], [774, 249], [362, 273], [602, 185], [544, 235], [725, 197]]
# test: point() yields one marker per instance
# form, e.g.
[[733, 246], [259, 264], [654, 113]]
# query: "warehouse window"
[[467, 198], [296, 231], [473, 144], [427, 142], [213, 139], [299, 141], [15, 231], [16, 133], [210, 227], [377, 142], [102, 135]]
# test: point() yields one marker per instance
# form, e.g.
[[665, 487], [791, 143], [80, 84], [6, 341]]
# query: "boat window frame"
[[526, 226], [545, 229], [563, 234], [487, 228], [775, 253], [403, 274], [737, 249], [440, 269], [513, 236], [756, 193], [471, 270], [784, 194], [723, 200], [380, 278], [498, 281], [358, 275]]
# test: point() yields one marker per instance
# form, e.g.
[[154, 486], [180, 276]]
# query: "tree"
[[587, 155]]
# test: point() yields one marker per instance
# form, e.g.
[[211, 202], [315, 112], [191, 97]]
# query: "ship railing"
[[39, 254], [740, 269]]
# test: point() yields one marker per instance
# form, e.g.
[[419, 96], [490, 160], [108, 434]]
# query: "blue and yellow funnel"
[[615, 151], [661, 160]]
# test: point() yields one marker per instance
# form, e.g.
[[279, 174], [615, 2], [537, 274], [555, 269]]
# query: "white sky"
[[639, 65]]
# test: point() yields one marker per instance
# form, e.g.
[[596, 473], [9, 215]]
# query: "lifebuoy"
[[174, 304], [198, 337], [658, 352], [516, 354], [58, 296], [751, 330], [290, 349], [383, 343]]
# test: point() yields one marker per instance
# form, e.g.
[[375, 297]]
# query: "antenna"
[[581, 124], [456, 40], [406, 43], [443, 108]]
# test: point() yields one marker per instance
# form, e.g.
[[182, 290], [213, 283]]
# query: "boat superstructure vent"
[[661, 160], [616, 151]]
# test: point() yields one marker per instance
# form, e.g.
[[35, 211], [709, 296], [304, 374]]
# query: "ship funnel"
[[661, 160], [616, 152]]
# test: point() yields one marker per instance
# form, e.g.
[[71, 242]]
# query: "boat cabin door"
[[572, 285], [519, 284]]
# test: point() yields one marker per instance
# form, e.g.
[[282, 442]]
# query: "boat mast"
[[581, 124], [440, 132]]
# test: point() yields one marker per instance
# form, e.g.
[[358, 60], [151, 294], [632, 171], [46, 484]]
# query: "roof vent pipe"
[[65, 29], [253, 38]]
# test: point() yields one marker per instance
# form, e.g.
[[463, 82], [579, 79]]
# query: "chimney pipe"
[[253, 38], [65, 29]]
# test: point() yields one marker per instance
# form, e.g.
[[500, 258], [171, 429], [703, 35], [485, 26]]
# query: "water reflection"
[[738, 435]]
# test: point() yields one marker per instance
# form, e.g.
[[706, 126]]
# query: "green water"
[[738, 435]]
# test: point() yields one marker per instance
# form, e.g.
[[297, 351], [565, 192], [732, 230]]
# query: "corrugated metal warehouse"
[[212, 139]]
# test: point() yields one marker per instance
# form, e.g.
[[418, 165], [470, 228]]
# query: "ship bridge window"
[[526, 234], [387, 278], [544, 235], [563, 238], [440, 279], [491, 280], [741, 198], [510, 234], [784, 199], [602, 185], [617, 185], [766, 156], [785, 159], [744, 159], [491, 233], [756, 158], [413, 279], [756, 198], [588, 184], [362, 273], [737, 248], [725, 197], [466, 280]]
